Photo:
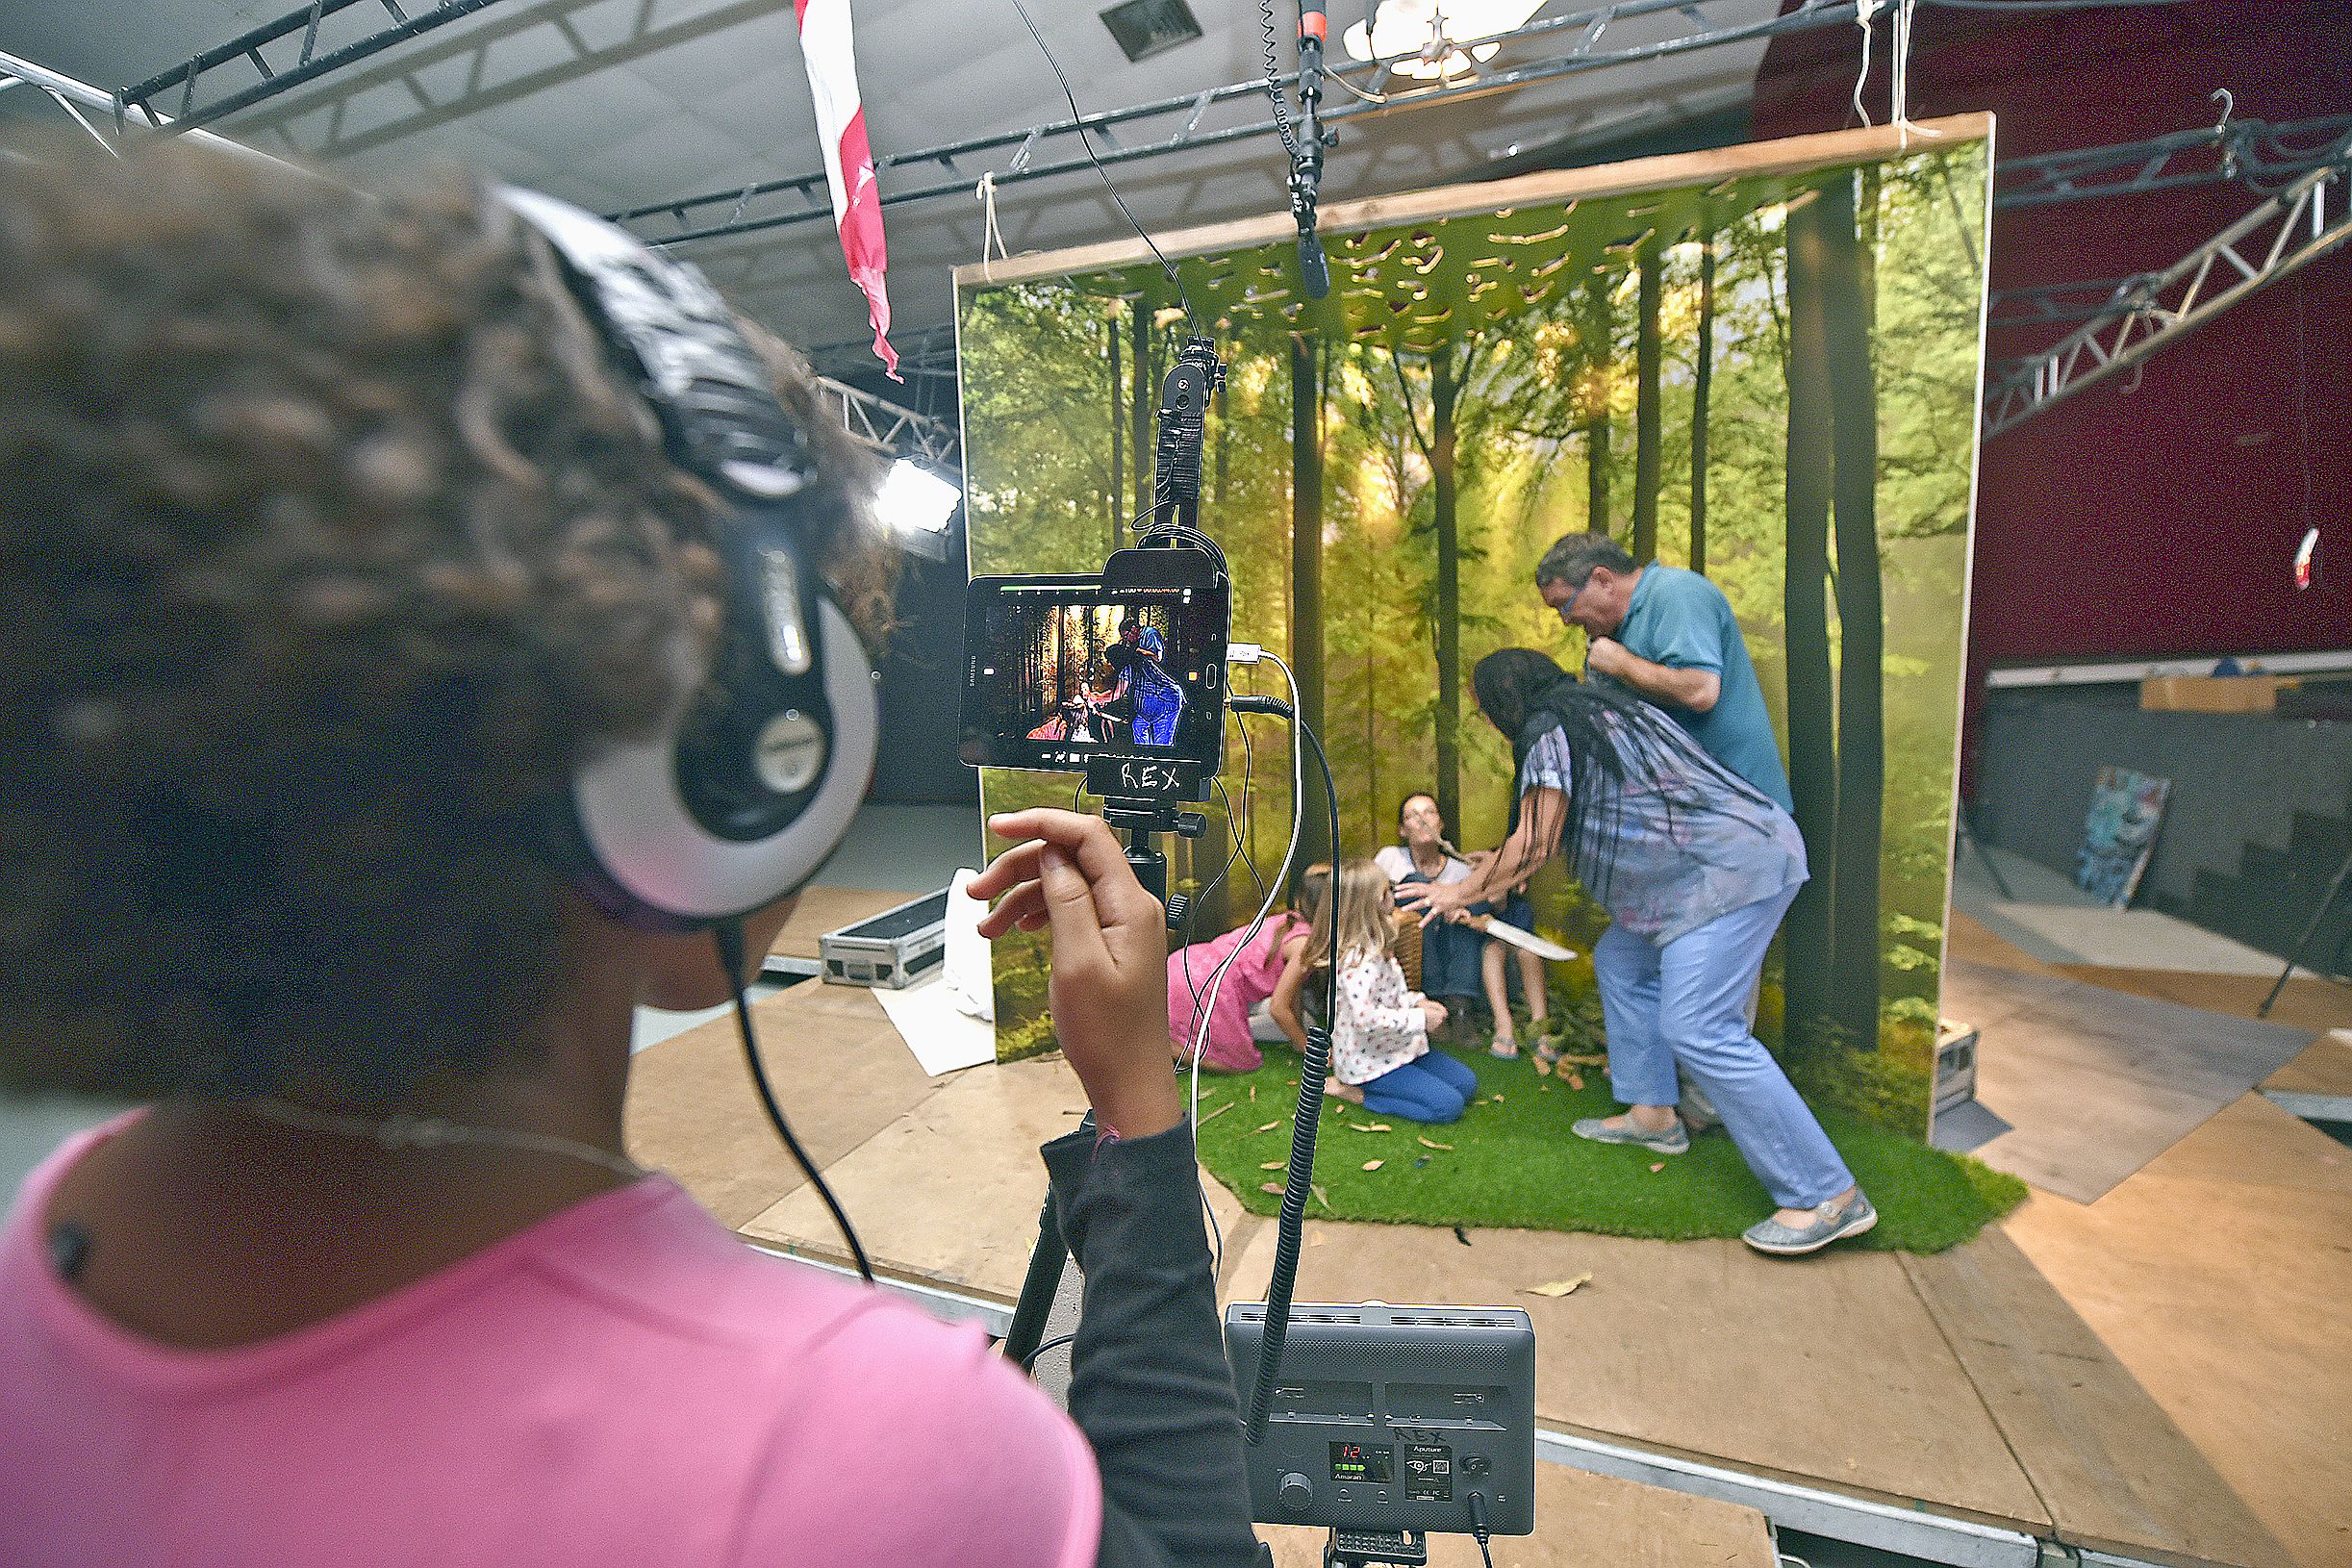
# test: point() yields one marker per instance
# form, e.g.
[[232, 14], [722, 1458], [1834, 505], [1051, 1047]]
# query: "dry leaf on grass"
[[1321, 1197], [1496, 1098], [1213, 1115], [1575, 1081], [1431, 1143], [1274, 1165], [1271, 1125], [1654, 1168], [1570, 1058], [1270, 1187], [1557, 1287], [1253, 1094], [1374, 1165], [1372, 1126]]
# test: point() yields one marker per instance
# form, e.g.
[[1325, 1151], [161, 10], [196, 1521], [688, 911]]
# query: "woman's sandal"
[[1505, 1048]]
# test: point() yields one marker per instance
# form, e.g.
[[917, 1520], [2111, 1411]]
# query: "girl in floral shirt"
[[1380, 1033]]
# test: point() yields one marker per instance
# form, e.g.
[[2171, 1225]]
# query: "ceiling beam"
[[696, 217], [308, 67]]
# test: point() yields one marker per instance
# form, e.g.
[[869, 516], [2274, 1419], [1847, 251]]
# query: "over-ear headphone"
[[743, 795]]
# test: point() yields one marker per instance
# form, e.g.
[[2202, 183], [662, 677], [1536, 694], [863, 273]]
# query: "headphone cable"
[[728, 935]]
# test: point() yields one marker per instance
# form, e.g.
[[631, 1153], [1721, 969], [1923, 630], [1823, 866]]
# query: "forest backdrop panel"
[[1769, 379]]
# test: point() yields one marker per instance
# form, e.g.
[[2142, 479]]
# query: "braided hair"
[[1611, 736]]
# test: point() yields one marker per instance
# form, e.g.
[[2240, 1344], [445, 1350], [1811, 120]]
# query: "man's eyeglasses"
[[1573, 598]]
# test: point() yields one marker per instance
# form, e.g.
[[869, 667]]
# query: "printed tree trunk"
[[1445, 393], [1646, 408], [1701, 383], [1861, 732], [1140, 407], [1111, 519], [1813, 756], [1307, 573], [1438, 446], [1600, 354]]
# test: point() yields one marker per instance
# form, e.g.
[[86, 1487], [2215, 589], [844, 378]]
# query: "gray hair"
[[1573, 559]]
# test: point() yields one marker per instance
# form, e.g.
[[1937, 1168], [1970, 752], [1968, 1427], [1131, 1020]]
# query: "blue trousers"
[[1430, 1088], [1155, 718], [1686, 1002]]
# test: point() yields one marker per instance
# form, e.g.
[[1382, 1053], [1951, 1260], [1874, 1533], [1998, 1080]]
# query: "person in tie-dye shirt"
[[1696, 866]]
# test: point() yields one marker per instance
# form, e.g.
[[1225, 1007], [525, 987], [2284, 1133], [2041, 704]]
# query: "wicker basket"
[[1404, 946]]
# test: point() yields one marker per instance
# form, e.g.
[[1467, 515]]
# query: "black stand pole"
[[2294, 955], [1040, 1285]]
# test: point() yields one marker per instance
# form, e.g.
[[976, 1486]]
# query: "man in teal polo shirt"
[[1669, 634]]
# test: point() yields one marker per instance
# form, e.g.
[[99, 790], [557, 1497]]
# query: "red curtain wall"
[[2158, 519]]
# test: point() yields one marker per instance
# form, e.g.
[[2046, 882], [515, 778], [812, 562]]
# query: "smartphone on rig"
[[1068, 672]]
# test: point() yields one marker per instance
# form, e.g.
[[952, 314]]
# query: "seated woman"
[[1456, 961], [1696, 869], [1259, 963], [1449, 952]]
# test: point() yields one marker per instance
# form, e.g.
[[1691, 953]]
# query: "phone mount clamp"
[[1144, 800]]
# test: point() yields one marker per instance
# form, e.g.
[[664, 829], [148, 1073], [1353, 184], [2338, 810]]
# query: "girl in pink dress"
[[1248, 980]]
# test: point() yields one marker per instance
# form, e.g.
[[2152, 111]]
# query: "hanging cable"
[[728, 937], [1086, 141]]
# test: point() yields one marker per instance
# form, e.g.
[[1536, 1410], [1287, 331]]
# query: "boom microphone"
[[1306, 164]]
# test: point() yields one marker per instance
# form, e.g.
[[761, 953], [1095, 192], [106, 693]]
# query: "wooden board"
[[2307, 1003], [1966, 938], [2325, 1069], [691, 1110], [2111, 1468], [1792, 154], [951, 1192], [822, 910], [2217, 1277], [1829, 1371], [2094, 1083], [1588, 1521]]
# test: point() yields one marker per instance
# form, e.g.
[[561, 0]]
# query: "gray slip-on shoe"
[[1697, 1110], [1830, 1222], [1673, 1141]]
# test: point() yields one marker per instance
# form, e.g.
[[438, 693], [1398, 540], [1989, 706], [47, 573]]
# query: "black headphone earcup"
[[643, 856]]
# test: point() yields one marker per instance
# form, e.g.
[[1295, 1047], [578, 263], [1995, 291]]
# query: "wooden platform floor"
[[2080, 1374]]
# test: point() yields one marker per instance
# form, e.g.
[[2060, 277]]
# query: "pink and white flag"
[[849, 162]]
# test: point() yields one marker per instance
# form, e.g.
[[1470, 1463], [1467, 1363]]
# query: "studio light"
[[1441, 36], [917, 506]]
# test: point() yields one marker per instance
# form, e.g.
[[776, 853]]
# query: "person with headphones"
[[427, 636]]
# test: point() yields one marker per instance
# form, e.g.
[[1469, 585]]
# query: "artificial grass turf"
[[1512, 1162]]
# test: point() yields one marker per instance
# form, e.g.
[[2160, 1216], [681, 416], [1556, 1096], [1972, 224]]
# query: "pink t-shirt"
[[623, 1383]]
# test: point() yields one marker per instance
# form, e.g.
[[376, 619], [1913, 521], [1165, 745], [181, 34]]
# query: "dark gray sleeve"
[[1148, 1378]]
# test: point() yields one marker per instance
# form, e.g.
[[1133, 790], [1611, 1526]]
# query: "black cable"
[[728, 936], [1029, 1364], [1481, 1525], [1273, 67], [1298, 1181], [1088, 142]]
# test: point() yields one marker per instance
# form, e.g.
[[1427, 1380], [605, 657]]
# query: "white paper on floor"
[[942, 1037]]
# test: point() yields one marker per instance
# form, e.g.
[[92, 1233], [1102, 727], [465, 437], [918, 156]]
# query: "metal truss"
[[2292, 229], [886, 427], [67, 93], [247, 50], [1173, 125], [2255, 153]]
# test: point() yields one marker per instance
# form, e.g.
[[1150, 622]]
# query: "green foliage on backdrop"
[[1385, 466]]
